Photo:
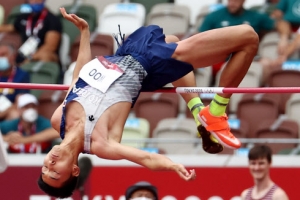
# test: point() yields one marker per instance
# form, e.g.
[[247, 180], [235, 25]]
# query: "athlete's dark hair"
[[260, 151], [63, 192]]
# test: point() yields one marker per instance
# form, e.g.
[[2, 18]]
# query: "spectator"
[[141, 189], [235, 14], [288, 50], [9, 72], [292, 47], [40, 31], [30, 133], [260, 159], [288, 10]]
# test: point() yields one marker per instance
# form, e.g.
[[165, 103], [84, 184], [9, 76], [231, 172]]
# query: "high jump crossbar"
[[220, 90]]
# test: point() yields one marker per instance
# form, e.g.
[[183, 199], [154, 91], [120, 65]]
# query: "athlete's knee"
[[250, 37]]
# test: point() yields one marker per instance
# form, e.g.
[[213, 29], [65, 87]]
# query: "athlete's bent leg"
[[210, 47], [194, 103]]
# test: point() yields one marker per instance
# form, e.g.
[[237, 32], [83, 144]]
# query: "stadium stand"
[[253, 78], [42, 72], [176, 128], [135, 128], [283, 76], [195, 6], [156, 106], [254, 108], [2, 13], [165, 14], [279, 129], [129, 16], [293, 108]]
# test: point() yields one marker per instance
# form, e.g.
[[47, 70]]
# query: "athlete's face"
[[58, 167], [234, 6], [259, 168]]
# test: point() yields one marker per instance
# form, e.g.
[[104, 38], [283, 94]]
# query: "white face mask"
[[140, 198], [4, 63], [30, 115]]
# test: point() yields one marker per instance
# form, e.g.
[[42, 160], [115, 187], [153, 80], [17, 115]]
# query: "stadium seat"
[[166, 15], [179, 129], [85, 11], [135, 128], [129, 16], [11, 38], [249, 4], [64, 51], [281, 77], [9, 5], [49, 101], [149, 4], [68, 74], [203, 76], [293, 108], [54, 5], [2, 14], [14, 12], [195, 7], [278, 129], [268, 47], [42, 72], [70, 29], [156, 106], [254, 108], [253, 78], [101, 44]]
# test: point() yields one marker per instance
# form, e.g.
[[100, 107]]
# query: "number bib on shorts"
[[100, 73]]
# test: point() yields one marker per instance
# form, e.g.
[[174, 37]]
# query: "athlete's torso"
[[95, 110]]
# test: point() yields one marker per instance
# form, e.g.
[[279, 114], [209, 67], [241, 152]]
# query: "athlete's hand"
[[184, 174], [77, 21]]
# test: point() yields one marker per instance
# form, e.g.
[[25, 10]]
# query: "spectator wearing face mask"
[[30, 133], [40, 31], [141, 191], [9, 72]]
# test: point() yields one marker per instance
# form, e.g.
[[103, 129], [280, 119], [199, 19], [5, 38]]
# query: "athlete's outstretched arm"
[[84, 54], [115, 151]]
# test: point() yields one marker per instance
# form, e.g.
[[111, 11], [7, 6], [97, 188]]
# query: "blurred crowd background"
[[37, 45]]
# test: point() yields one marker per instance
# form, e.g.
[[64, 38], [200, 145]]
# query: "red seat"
[[284, 78], [255, 108], [156, 106], [286, 129], [11, 38], [49, 102], [101, 44]]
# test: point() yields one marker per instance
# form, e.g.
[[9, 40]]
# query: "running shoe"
[[219, 128], [208, 143]]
